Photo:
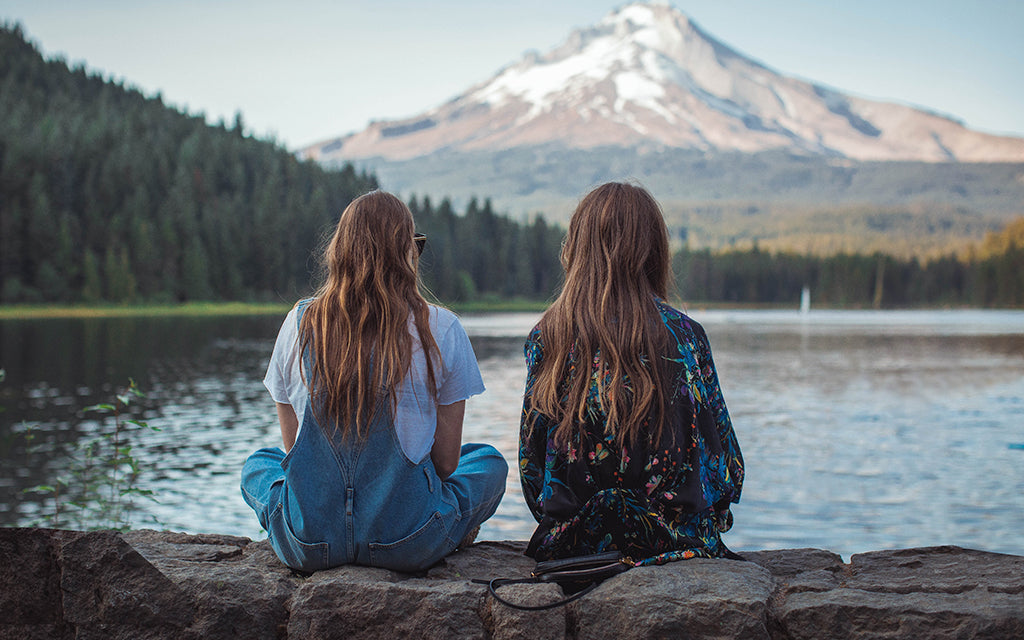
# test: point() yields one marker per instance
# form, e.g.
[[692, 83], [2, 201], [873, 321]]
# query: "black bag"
[[577, 577]]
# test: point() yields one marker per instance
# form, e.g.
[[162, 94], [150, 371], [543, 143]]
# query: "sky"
[[307, 70]]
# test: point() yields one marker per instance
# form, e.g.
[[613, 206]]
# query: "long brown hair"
[[616, 261], [356, 329]]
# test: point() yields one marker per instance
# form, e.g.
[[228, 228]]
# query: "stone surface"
[[238, 587], [147, 584], [937, 592], [108, 590], [30, 604], [695, 599], [326, 607]]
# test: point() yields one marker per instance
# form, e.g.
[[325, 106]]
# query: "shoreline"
[[212, 309]]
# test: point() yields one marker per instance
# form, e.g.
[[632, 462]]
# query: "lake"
[[861, 430]]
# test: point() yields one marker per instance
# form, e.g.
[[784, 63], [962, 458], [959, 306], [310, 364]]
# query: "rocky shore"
[[148, 584]]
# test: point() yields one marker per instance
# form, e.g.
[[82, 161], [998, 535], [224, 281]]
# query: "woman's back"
[[370, 384], [625, 441], [667, 498], [416, 400]]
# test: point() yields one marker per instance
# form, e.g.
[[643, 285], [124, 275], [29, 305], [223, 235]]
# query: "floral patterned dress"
[[655, 503]]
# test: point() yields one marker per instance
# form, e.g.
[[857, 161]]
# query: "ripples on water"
[[860, 430]]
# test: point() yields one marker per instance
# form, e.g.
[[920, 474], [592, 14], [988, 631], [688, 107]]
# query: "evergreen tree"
[[92, 288]]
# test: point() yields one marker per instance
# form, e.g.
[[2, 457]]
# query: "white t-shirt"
[[457, 378]]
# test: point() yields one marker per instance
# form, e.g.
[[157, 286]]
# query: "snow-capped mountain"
[[646, 76]]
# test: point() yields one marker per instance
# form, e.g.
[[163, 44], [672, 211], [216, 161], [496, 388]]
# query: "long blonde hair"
[[356, 329], [616, 261]]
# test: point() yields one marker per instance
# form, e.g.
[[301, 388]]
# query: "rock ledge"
[[148, 584]]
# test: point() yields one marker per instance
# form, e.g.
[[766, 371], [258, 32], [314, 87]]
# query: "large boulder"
[[148, 584], [30, 602], [693, 599]]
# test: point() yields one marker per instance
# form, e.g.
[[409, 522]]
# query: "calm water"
[[860, 430]]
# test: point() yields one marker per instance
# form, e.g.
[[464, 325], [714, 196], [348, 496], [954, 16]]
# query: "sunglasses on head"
[[420, 240]]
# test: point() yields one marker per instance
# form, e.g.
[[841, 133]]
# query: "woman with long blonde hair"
[[370, 383], [625, 443]]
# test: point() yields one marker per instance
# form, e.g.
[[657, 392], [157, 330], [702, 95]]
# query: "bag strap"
[[494, 584], [590, 570], [578, 562]]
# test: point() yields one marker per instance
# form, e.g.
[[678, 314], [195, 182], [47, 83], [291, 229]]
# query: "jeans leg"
[[479, 484], [261, 471]]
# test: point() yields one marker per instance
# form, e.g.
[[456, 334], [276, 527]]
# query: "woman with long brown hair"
[[625, 443], [370, 383]]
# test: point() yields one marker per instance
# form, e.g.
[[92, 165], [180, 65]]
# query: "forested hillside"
[[109, 195], [991, 274]]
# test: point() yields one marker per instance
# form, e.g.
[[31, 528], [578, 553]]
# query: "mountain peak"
[[647, 76], [644, 15]]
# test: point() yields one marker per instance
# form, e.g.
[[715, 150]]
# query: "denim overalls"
[[330, 501]]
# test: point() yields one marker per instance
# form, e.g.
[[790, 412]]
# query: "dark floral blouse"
[[654, 503]]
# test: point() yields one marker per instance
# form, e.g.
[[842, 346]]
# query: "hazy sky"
[[306, 70]]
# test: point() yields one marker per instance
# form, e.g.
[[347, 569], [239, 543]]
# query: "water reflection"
[[860, 430]]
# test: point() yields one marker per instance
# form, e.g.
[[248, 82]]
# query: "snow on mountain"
[[646, 76]]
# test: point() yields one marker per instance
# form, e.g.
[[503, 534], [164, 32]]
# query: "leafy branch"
[[104, 472]]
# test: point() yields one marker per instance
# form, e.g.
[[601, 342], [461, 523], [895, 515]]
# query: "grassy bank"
[[199, 309], [192, 309]]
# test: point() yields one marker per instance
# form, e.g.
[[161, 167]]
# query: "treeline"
[[482, 255], [990, 275], [107, 195]]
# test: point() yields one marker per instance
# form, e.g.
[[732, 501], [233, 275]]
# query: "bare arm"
[[448, 438], [289, 424]]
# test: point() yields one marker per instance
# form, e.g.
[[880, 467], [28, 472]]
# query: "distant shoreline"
[[212, 309]]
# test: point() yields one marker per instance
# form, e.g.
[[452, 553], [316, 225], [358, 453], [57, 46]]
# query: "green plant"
[[101, 482]]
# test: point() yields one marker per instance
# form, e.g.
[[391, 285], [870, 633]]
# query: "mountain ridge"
[[648, 76], [736, 152]]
